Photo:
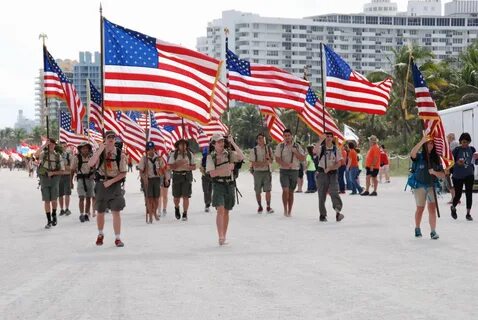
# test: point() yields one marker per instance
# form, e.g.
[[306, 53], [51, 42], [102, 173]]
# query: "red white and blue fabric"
[[94, 135], [95, 107], [349, 90], [67, 134], [263, 84], [161, 137], [219, 103], [56, 84], [313, 117], [145, 73], [275, 126], [132, 135]]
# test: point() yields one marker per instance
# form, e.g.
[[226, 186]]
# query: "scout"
[[261, 161], [85, 183], [150, 167], [65, 181]]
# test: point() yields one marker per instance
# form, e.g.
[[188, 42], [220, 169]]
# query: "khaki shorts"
[[90, 188], [182, 184], [111, 198], [49, 188], [262, 181], [65, 186], [223, 195], [288, 178], [154, 188], [422, 196]]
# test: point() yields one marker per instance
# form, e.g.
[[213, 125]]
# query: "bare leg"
[[54, 204], [87, 206], [259, 199], [116, 223], [290, 202], [186, 204], [225, 224], [47, 206], [93, 204], [367, 183], [285, 200], [375, 183], [61, 202], [82, 205], [432, 215], [100, 221], [418, 216], [268, 198], [220, 222]]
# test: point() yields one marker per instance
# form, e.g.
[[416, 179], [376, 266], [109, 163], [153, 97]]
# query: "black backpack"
[[322, 153]]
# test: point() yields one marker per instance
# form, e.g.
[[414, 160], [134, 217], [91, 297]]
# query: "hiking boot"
[[469, 217], [67, 212], [48, 225], [206, 209], [418, 233], [373, 193], [82, 218], [453, 212], [119, 243], [365, 193], [62, 212], [185, 216], [87, 218], [339, 217], [323, 218], [177, 214], [434, 235], [53, 219], [259, 210], [99, 240], [269, 210]]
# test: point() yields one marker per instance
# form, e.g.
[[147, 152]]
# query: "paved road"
[[367, 267]]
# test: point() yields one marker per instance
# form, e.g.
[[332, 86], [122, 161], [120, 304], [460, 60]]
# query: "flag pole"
[[305, 77], [322, 74], [102, 62], [226, 33], [404, 101], [43, 36], [182, 127], [88, 104], [145, 175]]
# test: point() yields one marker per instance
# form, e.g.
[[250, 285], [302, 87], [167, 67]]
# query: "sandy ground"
[[369, 266]]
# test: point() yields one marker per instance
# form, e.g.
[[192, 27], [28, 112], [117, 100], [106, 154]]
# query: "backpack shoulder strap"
[[118, 157], [80, 162], [255, 153]]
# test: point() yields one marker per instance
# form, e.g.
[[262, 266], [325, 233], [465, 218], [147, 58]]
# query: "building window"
[[472, 22], [345, 19], [457, 22], [371, 20], [414, 21], [386, 20], [443, 22], [358, 19], [428, 21], [399, 21]]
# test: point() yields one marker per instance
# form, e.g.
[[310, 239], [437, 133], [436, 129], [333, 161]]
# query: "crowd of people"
[[330, 170]]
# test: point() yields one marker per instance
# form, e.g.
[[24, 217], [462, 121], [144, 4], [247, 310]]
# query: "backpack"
[[268, 151], [282, 146], [176, 152], [41, 170], [415, 176], [237, 165], [117, 159], [80, 164], [322, 153]]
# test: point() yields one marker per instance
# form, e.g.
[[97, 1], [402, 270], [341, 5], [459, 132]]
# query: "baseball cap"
[[110, 133], [217, 137], [150, 145]]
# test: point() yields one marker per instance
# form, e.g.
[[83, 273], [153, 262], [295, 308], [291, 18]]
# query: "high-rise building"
[[381, 7], [365, 41], [418, 8], [86, 69], [24, 123], [461, 8]]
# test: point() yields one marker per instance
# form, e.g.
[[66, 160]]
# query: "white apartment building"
[[381, 7], [417, 8], [364, 41], [461, 7]]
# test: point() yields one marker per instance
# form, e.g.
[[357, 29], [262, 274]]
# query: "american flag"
[[95, 106], [428, 112], [168, 119], [132, 135], [94, 135], [264, 85], [349, 90], [313, 117], [67, 134], [203, 139], [142, 72], [214, 126], [161, 138], [144, 121], [276, 126], [219, 104], [57, 85]]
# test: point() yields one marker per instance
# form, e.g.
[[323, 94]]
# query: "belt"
[[181, 172], [103, 178], [84, 175], [222, 180]]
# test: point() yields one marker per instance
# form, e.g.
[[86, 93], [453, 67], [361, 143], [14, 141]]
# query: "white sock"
[[100, 232], [117, 236]]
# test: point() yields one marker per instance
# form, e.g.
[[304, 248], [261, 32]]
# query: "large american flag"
[[219, 104], [263, 84], [428, 112], [95, 106], [203, 139], [313, 117], [57, 85], [161, 137], [349, 90], [94, 135], [214, 126], [132, 135], [274, 124], [172, 120], [67, 134], [145, 73]]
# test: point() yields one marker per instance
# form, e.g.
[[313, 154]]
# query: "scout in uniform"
[[261, 161], [65, 181], [49, 171], [111, 167], [288, 155], [150, 167], [328, 162], [85, 183], [182, 163], [206, 181], [220, 165]]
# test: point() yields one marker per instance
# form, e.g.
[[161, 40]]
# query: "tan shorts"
[[423, 195]]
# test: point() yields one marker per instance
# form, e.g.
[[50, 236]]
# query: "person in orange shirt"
[[353, 170], [372, 166]]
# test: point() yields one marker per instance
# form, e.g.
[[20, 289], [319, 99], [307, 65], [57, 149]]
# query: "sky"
[[73, 26]]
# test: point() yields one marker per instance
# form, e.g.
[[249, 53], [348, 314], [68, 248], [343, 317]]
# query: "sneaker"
[[99, 240], [259, 210], [339, 217], [82, 218], [86, 218], [269, 210], [164, 212], [177, 214], [418, 233], [434, 235], [453, 212], [67, 212], [353, 193], [469, 217], [53, 219], [185, 216], [206, 209], [48, 225], [373, 193], [323, 218], [62, 212], [365, 193], [119, 243]]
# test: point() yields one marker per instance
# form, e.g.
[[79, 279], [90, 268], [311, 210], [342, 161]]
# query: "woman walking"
[[426, 168], [463, 174], [311, 184]]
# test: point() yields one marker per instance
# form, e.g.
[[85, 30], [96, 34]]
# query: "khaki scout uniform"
[[288, 176], [84, 176], [111, 198], [182, 176], [223, 188], [65, 179], [154, 165], [50, 161], [262, 174]]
